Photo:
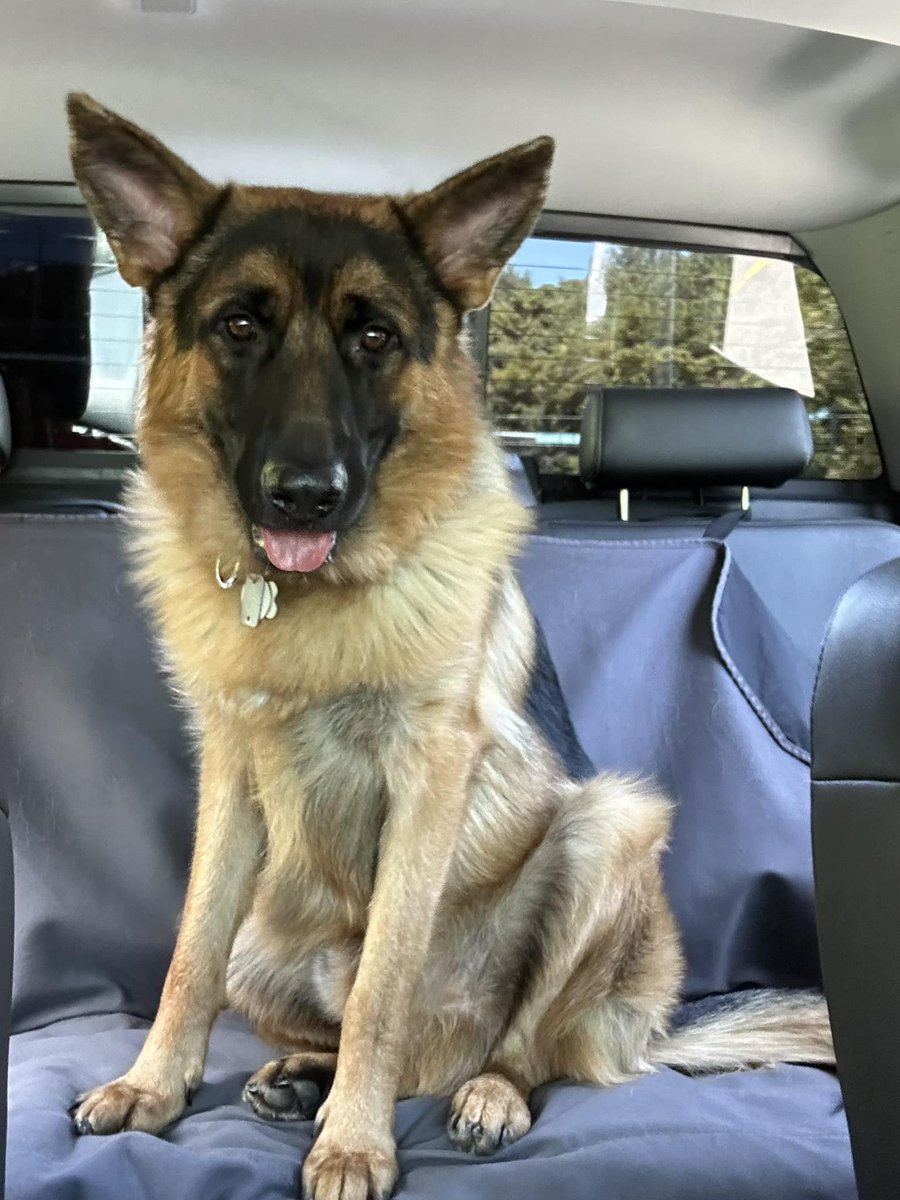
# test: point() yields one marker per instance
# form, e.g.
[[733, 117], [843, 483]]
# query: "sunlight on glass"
[[568, 313], [117, 324]]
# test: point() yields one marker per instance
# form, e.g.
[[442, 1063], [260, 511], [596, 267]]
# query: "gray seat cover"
[[98, 780], [750, 1136], [654, 688]]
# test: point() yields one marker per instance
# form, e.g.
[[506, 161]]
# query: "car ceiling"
[[783, 122], [875, 20]]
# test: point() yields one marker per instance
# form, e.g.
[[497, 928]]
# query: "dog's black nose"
[[303, 493]]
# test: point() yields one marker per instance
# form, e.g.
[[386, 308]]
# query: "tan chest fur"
[[319, 781], [338, 679]]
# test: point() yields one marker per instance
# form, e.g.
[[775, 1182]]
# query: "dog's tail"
[[749, 1029]]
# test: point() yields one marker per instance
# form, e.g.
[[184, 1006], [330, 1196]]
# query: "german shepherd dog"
[[393, 877]]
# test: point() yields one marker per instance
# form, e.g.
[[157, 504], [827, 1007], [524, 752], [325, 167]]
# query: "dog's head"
[[305, 347]]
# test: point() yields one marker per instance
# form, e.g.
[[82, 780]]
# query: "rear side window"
[[70, 332], [568, 313], [565, 314]]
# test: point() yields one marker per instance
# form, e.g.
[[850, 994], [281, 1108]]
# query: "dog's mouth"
[[295, 550]]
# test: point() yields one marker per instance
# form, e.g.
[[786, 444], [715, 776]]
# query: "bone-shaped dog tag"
[[258, 598]]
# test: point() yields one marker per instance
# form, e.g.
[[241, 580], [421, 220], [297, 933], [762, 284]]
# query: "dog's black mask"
[[304, 412]]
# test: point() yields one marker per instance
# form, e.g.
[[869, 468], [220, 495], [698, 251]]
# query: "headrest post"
[[623, 504], [745, 499]]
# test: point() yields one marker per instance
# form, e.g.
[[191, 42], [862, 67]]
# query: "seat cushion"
[[747, 1136]]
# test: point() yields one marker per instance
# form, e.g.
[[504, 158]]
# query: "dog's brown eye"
[[240, 327], [374, 338]]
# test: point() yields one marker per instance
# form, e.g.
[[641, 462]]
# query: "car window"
[[70, 332], [568, 313], [565, 313]]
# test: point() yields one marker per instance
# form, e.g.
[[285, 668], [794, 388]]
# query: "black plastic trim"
[[856, 848]]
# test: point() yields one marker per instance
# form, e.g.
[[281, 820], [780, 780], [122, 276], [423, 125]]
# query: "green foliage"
[[665, 312], [845, 445]]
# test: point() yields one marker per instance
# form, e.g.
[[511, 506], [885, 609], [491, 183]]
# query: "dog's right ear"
[[147, 201]]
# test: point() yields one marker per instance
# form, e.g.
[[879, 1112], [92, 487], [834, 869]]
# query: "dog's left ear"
[[147, 200], [472, 223]]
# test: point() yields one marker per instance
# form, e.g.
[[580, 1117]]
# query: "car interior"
[[693, 368]]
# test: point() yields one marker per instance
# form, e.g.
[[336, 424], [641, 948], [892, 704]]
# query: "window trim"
[[40, 194], [674, 235], [681, 235]]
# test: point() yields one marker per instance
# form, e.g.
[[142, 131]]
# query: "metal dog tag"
[[258, 597]]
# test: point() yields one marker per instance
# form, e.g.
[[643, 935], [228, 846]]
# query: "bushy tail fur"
[[749, 1029]]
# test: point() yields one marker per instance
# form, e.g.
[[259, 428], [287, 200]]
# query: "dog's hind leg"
[[606, 968], [291, 1088], [284, 1001]]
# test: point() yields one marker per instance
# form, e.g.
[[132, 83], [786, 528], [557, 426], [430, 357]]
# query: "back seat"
[[800, 567], [673, 663], [800, 554], [686, 646]]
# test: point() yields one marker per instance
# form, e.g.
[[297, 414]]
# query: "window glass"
[[569, 313], [565, 314], [70, 332]]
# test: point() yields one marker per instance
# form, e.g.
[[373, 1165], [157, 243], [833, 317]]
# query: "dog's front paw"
[[335, 1170], [486, 1114], [123, 1104]]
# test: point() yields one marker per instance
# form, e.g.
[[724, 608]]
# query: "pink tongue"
[[292, 550]]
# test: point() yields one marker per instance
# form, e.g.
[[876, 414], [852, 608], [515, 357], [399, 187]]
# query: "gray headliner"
[[659, 112]]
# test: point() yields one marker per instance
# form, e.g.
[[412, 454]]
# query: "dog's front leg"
[[354, 1156], [226, 853]]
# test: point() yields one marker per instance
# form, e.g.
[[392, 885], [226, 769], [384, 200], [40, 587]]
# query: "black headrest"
[[5, 428], [633, 437]]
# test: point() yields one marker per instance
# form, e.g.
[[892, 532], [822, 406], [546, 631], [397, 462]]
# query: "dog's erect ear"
[[469, 225], [147, 201]]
